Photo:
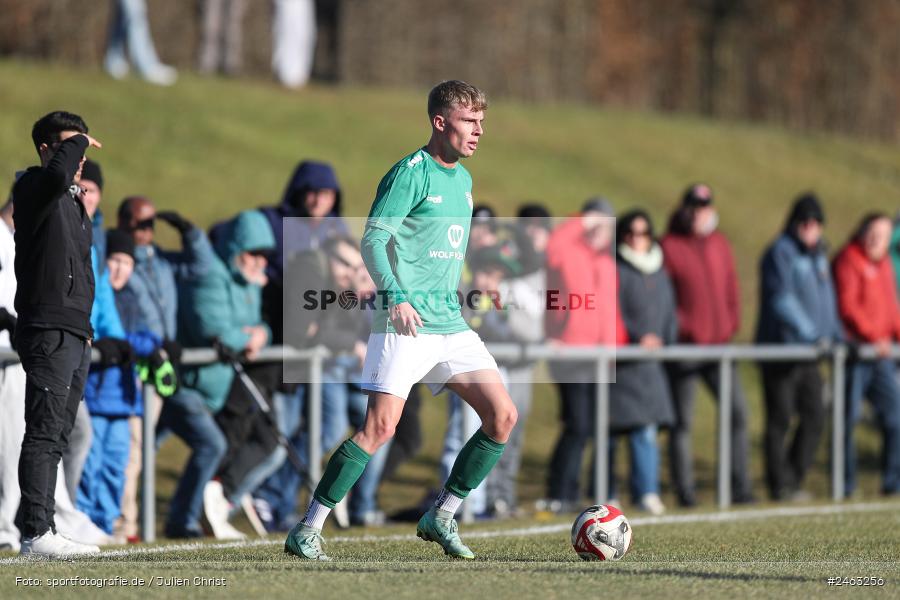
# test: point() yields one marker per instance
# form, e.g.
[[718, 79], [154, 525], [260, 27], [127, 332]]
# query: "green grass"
[[777, 555]]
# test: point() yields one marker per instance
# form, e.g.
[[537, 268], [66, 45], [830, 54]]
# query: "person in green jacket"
[[222, 306]]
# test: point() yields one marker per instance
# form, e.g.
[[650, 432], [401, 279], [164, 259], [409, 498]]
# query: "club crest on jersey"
[[469, 199], [455, 235]]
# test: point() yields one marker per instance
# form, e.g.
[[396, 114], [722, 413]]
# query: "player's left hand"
[[404, 318]]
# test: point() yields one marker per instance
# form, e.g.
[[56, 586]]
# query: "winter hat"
[[535, 214], [91, 172], [806, 208], [119, 241], [698, 194], [598, 204]]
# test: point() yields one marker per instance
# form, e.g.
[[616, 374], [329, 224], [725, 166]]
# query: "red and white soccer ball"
[[601, 533]]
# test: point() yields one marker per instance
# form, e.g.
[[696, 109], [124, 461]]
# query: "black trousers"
[[577, 415], [56, 364], [791, 389], [683, 383]]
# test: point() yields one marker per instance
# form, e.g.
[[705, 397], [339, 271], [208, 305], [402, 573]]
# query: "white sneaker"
[[652, 504], [51, 545], [216, 508], [88, 548]]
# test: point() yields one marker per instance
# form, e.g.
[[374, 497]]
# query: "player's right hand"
[[92, 142], [404, 318]]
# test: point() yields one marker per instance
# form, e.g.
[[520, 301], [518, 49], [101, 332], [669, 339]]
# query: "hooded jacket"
[[866, 295], [294, 236], [706, 286], [299, 235], [797, 301], [218, 305], [53, 245]]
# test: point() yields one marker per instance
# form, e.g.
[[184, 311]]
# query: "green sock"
[[344, 468], [474, 462]]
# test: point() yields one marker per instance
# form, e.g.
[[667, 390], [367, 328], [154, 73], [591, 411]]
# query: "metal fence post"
[[467, 515], [315, 417], [838, 424], [725, 367], [148, 466], [601, 432]]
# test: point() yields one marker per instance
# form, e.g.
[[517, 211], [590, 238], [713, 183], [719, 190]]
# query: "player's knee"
[[504, 420], [381, 431]]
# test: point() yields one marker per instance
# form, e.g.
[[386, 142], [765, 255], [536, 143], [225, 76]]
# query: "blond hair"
[[453, 92]]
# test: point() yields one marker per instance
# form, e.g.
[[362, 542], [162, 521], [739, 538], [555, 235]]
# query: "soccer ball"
[[601, 533]]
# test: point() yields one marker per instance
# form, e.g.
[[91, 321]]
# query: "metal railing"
[[603, 359]]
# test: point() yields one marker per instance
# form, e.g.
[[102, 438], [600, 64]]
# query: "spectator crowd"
[[226, 289]]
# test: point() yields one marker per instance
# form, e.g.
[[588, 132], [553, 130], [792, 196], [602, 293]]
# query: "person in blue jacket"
[[112, 395], [797, 306]]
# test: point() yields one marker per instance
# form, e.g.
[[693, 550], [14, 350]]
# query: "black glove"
[[175, 220], [173, 351], [114, 351]]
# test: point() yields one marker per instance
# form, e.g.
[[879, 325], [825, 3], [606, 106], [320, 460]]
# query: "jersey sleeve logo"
[[415, 160], [455, 235], [469, 200]]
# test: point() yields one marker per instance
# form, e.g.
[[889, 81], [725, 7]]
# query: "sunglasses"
[[259, 253], [640, 233], [145, 224]]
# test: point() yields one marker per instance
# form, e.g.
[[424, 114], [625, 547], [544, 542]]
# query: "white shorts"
[[394, 362]]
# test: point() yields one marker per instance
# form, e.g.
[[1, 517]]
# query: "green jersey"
[[427, 209]]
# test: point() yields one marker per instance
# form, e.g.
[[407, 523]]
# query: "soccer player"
[[414, 246]]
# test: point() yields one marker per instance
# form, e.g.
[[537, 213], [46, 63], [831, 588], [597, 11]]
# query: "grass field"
[[786, 552], [210, 147]]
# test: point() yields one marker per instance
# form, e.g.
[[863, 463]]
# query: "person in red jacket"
[[701, 264], [582, 310], [868, 306]]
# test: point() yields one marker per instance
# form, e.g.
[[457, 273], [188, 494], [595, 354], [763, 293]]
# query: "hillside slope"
[[210, 147]]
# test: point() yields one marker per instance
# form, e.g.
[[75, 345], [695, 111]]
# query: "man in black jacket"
[[53, 300]]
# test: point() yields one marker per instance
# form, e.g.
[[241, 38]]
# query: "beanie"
[[91, 172], [119, 241]]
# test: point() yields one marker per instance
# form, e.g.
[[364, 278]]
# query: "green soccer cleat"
[[305, 542], [433, 528]]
